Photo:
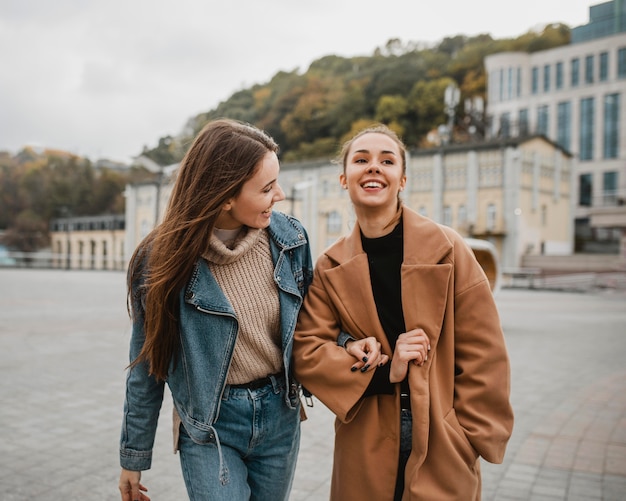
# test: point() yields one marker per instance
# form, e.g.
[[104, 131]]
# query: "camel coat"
[[459, 397]]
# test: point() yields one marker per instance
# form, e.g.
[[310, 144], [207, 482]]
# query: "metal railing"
[[52, 260]]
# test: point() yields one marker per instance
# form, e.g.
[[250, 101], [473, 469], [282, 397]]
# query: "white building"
[[88, 243], [511, 194], [576, 96]]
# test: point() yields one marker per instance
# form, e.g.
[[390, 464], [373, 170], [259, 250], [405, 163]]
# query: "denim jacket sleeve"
[[142, 404], [343, 339]]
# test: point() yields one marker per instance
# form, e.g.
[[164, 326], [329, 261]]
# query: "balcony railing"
[[610, 198]]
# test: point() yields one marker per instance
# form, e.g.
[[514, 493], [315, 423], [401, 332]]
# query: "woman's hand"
[[368, 354], [130, 488], [412, 346]]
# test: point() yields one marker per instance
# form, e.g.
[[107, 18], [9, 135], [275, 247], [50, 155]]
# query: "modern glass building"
[[575, 95]]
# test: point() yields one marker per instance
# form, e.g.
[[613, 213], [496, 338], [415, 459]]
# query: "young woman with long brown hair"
[[214, 293]]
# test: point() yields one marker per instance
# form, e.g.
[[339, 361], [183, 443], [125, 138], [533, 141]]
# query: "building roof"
[[491, 144]]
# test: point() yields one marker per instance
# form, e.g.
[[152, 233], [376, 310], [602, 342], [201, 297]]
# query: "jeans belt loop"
[[405, 401]]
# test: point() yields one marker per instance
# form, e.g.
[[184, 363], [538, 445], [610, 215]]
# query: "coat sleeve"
[[320, 364], [482, 371]]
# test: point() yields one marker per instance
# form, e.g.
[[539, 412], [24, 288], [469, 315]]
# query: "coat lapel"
[[425, 281], [350, 282], [425, 275]]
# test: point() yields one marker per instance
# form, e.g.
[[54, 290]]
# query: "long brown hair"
[[224, 155]]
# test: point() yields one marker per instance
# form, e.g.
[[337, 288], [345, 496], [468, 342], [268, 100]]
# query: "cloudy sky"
[[103, 78]]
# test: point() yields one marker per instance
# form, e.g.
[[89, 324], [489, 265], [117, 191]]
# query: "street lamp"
[[302, 185], [65, 212], [451, 98]]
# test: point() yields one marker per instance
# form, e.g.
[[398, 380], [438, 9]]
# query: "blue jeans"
[[406, 444], [254, 454]]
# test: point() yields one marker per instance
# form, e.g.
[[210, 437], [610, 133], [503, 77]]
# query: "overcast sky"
[[103, 78]]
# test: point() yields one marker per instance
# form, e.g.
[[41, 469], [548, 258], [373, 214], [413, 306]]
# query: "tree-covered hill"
[[400, 84], [38, 186]]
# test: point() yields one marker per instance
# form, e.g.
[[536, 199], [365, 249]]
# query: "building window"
[[462, 215], [523, 122], [582, 234], [509, 84], [585, 189], [491, 217], [586, 129], [422, 211], [447, 215], [559, 75], [564, 124], [534, 86], [92, 255], [575, 72], [589, 69], [546, 78], [59, 252], [505, 125], [519, 82], [501, 85], [333, 223], [604, 66], [611, 126], [544, 215], [325, 188], [621, 63], [609, 188], [542, 120], [81, 251], [144, 228]]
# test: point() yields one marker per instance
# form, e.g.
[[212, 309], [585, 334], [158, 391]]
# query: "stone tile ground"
[[63, 350]]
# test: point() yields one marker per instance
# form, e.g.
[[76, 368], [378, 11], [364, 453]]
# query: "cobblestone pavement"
[[63, 349]]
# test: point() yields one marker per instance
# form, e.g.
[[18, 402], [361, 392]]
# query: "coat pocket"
[[459, 439]]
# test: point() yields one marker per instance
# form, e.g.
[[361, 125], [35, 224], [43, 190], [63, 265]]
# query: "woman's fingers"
[[368, 354], [413, 346]]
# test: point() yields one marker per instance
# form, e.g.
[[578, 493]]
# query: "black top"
[[384, 255]]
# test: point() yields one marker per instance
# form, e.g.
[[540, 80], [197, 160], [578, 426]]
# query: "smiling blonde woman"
[[400, 337]]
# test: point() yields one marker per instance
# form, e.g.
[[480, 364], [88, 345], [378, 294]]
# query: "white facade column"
[[511, 175], [130, 222], [438, 187], [536, 181], [471, 188], [558, 168]]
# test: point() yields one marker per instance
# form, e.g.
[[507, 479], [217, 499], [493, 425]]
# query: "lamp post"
[[309, 209], [65, 212], [451, 98], [295, 188]]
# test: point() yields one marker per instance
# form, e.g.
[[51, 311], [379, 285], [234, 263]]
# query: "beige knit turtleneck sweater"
[[245, 273]]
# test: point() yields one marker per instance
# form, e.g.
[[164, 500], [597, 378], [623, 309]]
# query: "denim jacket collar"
[[285, 234]]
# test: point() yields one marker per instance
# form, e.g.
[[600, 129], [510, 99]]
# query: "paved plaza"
[[63, 350]]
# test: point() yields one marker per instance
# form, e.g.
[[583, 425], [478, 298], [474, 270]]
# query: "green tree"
[[391, 109], [37, 187], [108, 192], [165, 153], [28, 233], [426, 100], [300, 109]]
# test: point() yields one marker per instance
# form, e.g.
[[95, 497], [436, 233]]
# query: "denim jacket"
[[208, 330]]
